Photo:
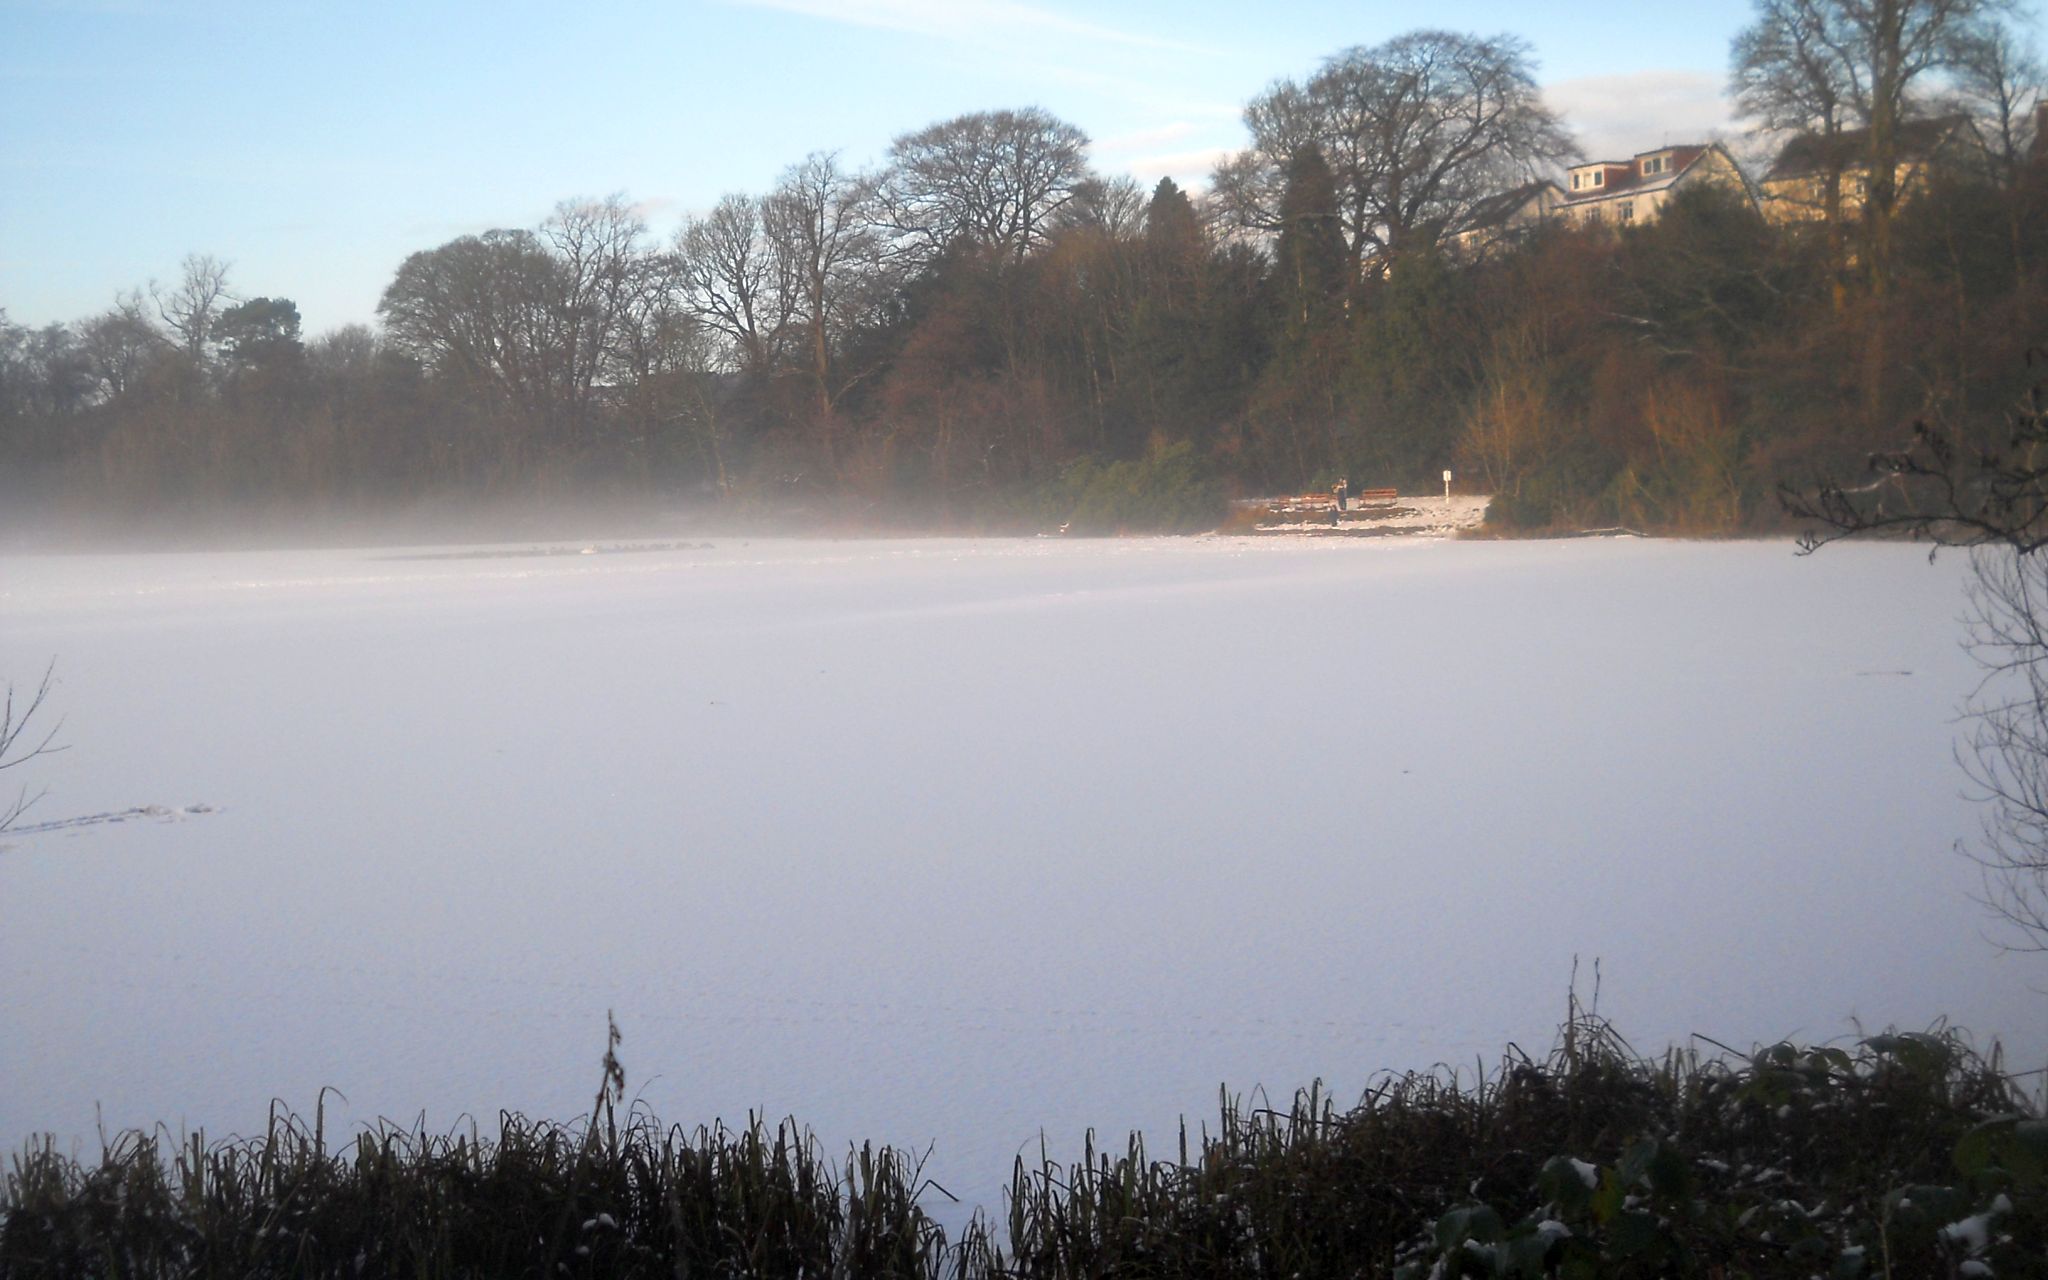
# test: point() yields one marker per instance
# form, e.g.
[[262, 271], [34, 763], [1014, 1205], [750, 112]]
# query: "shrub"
[[1904, 1155], [1169, 490]]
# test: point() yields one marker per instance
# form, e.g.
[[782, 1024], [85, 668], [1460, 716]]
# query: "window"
[[1593, 218], [1626, 212], [1599, 177], [1655, 164], [1576, 178]]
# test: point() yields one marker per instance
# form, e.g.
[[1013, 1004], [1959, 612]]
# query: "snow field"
[[951, 843]]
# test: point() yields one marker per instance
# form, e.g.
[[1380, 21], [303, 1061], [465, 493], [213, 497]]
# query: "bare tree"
[[477, 309], [661, 348], [43, 372], [349, 351], [1112, 207], [1792, 75], [822, 223], [1792, 69], [1944, 489], [1895, 43], [2006, 756], [1416, 131], [21, 740], [994, 179], [596, 247], [191, 306], [2000, 79], [739, 280], [537, 317], [118, 344]]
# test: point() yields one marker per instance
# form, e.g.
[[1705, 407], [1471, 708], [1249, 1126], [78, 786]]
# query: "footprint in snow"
[[141, 813]]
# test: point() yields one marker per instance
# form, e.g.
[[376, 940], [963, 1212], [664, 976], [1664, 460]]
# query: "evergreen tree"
[[1309, 274]]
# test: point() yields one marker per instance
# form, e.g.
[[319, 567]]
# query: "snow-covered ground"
[[952, 843], [1426, 516]]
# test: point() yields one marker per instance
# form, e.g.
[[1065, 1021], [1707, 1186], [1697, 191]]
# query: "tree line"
[[985, 332]]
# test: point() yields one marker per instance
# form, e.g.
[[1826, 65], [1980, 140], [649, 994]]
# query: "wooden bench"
[[1376, 495]]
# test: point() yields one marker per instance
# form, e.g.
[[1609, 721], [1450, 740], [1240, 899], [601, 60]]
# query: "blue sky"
[[314, 145]]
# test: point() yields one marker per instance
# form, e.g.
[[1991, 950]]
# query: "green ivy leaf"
[[1634, 1234], [2004, 1149], [1561, 1184], [1468, 1222], [1607, 1201]]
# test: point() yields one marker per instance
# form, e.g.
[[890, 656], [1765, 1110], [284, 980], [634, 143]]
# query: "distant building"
[[1599, 193], [1795, 189], [1505, 219], [1625, 193]]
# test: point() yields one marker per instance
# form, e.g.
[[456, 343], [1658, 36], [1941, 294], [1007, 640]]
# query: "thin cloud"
[[1192, 166], [1144, 139], [655, 207], [1615, 117], [1136, 90], [979, 21]]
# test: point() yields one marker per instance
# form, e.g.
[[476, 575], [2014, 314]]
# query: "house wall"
[[1795, 200], [1482, 241], [1639, 206]]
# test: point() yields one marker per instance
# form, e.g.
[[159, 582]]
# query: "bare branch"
[[1939, 490], [22, 741]]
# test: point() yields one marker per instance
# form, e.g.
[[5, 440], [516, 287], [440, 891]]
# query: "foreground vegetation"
[[1906, 1155]]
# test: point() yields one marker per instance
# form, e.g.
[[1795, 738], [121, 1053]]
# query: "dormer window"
[[1653, 165], [1593, 177]]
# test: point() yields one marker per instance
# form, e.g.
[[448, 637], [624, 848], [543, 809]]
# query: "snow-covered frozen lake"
[[955, 842]]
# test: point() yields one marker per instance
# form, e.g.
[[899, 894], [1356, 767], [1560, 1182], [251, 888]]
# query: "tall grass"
[[1881, 1158]]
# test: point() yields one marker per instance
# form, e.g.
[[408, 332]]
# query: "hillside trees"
[[1415, 131], [1408, 371], [965, 331]]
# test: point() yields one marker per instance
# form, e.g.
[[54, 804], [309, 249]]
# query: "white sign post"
[[1447, 488]]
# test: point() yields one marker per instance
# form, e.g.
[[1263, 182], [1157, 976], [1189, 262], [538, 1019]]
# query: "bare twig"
[[21, 741]]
